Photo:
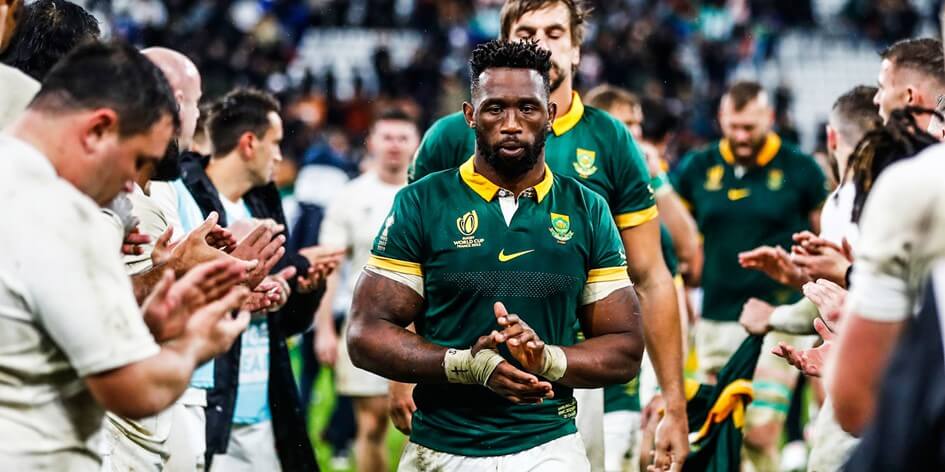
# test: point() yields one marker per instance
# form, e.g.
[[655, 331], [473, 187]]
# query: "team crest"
[[584, 165], [775, 179], [561, 228], [713, 178]]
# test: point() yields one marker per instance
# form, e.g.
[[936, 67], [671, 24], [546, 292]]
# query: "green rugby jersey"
[[586, 143], [449, 229], [764, 206]]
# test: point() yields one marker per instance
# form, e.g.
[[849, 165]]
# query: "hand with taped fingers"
[[508, 381]]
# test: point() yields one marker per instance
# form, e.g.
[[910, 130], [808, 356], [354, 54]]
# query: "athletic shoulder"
[[583, 195]]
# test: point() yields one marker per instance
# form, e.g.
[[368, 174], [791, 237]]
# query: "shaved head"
[[184, 78]]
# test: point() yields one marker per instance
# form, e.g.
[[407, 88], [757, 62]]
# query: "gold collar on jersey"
[[487, 190], [765, 155]]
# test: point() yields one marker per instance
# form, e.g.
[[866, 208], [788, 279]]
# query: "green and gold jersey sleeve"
[[633, 203], [608, 261], [399, 246], [446, 145], [684, 178]]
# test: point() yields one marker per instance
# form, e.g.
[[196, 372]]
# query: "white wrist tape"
[[463, 368], [554, 364]]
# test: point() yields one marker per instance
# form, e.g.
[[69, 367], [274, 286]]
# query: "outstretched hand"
[[809, 361], [774, 262]]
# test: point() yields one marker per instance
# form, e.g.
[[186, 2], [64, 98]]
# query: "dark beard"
[[168, 169], [510, 169]]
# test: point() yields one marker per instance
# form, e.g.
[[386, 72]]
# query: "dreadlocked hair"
[[900, 138], [517, 55]]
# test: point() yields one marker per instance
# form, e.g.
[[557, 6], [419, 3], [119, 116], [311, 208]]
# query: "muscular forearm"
[[147, 387], [605, 360], [393, 352], [662, 333]]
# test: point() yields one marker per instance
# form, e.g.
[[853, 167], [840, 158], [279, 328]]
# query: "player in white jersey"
[[351, 222]]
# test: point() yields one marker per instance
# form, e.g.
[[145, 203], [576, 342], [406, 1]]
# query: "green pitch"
[[323, 402]]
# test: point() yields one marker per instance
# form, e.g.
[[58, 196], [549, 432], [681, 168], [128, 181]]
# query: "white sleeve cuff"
[[878, 297], [597, 291], [414, 282]]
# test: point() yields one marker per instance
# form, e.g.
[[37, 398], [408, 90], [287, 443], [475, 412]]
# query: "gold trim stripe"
[[403, 267], [607, 274], [636, 218]]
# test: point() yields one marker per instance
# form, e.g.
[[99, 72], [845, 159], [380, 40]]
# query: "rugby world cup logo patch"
[[468, 223]]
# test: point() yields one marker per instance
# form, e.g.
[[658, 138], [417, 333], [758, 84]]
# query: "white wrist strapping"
[[463, 368], [554, 364]]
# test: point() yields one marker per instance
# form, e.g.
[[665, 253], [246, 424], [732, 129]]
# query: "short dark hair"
[[394, 114], [115, 76], [47, 31], [660, 120], [606, 96], [923, 55], [856, 114], [239, 111], [513, 54], [743, 92], [579, 11]]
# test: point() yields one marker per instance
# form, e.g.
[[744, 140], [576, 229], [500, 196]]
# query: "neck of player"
[[514, 184], [562, 96], [229, 177], [391, 175]]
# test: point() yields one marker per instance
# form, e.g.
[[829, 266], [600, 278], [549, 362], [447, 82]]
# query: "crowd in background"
[[679, 51]]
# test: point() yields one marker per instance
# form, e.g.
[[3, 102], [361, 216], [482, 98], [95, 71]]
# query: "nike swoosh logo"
[[505, 258], [738, 193]]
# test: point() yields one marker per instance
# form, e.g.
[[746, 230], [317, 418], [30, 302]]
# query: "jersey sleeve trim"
[[607, 274], [636, 218], [403, 267]]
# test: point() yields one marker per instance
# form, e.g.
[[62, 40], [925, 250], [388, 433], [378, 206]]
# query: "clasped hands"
[[514, 384]]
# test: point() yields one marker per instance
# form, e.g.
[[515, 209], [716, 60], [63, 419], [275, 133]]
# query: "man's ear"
[[552, 112], [469, 114], [97, 124], [831, 138], [247, 145]]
